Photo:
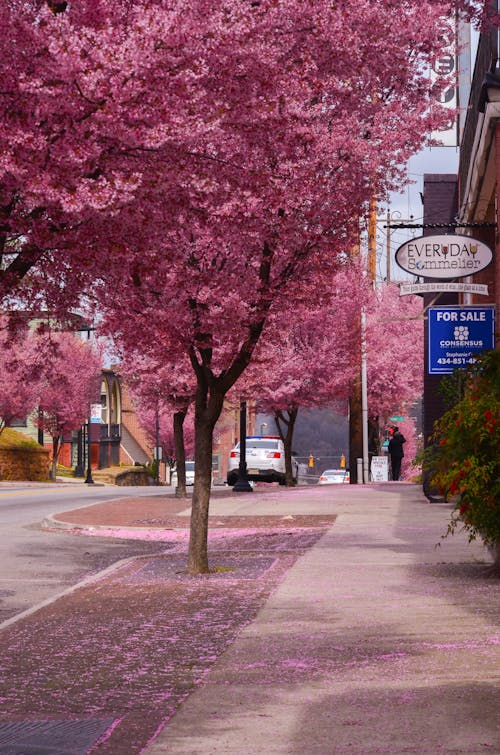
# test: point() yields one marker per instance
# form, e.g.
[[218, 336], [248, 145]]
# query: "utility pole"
[[358, 401], [372, 238], [355, 430]]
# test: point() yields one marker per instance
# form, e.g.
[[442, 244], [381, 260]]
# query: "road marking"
[[35, 491]]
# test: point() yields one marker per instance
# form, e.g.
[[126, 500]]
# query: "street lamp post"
[[157, 446], [80, 463], [242, 485], [89, 480]]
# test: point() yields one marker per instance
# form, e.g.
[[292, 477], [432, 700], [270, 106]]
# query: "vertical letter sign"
[[445, 68], [457, 335]]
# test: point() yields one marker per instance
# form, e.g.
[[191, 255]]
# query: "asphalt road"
[[37, 565]]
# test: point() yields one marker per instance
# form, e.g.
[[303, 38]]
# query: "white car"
[[334, 476], [189, 475], [265, 457]]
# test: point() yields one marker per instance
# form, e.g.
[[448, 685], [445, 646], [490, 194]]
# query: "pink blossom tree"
[[314, 362], [409, 466], [163, 393], [211, 160], [70, 383], [258, 230], [394, 347], [395, 362], [20, 368], [166, 425]]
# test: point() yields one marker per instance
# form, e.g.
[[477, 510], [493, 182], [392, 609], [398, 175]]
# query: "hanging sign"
[[457, 335], [446, 256]]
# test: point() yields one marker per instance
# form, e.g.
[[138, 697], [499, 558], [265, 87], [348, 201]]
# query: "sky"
[[408, 203]]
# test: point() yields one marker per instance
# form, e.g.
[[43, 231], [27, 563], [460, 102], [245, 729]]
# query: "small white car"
[[334, 476], [189, 475], [265, 457]]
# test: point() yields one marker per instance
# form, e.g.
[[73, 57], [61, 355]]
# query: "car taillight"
[[323, 478], [273, 455], [233, 454]]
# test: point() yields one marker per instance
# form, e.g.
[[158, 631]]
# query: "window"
[[18, 422]]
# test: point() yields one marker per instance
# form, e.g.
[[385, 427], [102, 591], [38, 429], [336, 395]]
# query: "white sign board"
[[443, 256], [380, 469], [96, 413], [426, 288]]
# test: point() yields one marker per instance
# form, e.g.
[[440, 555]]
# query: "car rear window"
[[261, 443], [189, 466]]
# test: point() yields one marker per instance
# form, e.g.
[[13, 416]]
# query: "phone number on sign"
[[456, 360]]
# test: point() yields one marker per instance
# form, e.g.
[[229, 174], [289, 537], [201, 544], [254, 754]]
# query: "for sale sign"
[[457, 335]]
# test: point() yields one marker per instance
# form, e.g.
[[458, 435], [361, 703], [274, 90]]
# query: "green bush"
[[464, 461]]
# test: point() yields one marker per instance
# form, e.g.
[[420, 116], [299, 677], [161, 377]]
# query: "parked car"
[[189, 475], [334, 476], [265, 457]]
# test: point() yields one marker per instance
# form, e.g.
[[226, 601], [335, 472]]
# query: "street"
[[37, 564]]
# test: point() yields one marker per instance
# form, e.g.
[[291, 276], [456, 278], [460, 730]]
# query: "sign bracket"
[[440, 225]]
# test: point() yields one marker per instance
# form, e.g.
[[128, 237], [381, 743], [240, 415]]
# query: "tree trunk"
[[287, 438], [495, 552], [180, 453], [208, 407], [210, 394]]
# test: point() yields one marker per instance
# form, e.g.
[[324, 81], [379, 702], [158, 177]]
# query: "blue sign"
[[457, 335]]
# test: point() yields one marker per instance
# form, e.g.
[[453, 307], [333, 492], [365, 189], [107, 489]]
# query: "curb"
[[51, 523], [55, 524], [83, 583]]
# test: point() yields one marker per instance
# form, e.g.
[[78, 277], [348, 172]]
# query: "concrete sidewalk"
[[376, 641]]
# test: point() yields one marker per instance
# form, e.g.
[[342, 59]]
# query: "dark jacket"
[[396, 445]]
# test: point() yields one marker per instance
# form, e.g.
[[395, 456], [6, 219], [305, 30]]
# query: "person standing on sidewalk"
[[396, 452]]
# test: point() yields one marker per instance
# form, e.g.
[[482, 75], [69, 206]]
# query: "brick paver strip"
[[129, 648], [163, 514]]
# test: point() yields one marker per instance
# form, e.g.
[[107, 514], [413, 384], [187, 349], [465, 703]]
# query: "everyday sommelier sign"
[[443, 256]]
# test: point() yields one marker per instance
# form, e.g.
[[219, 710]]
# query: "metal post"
[[388, 251], [359, 468], [80, 464], [364, 399], [40, 426], [242, 485], [88, 478]]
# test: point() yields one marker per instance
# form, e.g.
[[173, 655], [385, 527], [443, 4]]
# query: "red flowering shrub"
[[465, 460]]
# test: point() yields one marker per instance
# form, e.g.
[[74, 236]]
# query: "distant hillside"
[[323, 433]]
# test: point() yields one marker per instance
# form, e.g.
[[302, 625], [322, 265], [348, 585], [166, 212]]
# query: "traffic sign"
[[396, 418]]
